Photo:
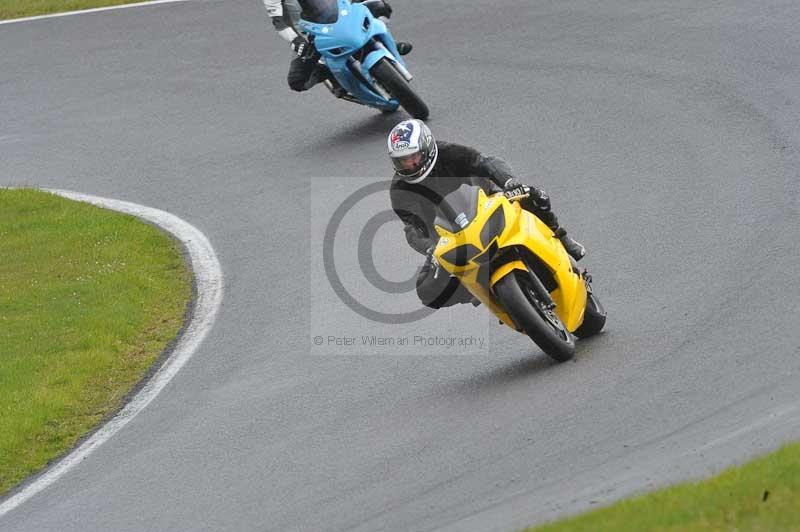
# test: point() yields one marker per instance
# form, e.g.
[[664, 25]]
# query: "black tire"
[[541, 325], [396, 85], [594, 318]]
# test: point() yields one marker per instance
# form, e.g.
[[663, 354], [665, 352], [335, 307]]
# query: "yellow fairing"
[[522, 229]]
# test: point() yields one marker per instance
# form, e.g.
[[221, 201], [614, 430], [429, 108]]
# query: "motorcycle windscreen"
[[457, 209], [320, 11]]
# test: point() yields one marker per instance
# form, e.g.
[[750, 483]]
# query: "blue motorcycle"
[[361, 54]]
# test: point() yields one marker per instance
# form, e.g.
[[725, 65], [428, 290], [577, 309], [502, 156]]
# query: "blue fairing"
[[337, 42]]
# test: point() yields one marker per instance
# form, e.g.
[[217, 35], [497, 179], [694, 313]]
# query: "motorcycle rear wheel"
[[396, 85], [529, 313], [594, 318]]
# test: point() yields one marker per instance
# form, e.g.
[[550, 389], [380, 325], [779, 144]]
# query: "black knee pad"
[[299, 73], [430, 294], [443, 291], [297, 85]]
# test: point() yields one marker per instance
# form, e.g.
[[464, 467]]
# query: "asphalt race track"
[[668, 134]]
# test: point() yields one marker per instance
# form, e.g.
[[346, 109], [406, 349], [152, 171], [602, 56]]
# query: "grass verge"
[[762, 495], [30, 8], [89, 299]]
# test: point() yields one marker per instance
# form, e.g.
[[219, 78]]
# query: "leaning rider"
[[305, 70], [425, 172]]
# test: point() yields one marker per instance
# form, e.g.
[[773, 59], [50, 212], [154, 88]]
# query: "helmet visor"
[[408, 165]]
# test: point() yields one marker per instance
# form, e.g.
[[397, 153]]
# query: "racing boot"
[[404, 47], [573, 247], [543, 211], [538, 203]]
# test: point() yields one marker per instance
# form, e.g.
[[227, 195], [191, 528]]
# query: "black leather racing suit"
[[415, 204]]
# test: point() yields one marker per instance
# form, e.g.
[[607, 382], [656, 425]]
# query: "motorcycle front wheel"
[[518, 296], [396, 85]]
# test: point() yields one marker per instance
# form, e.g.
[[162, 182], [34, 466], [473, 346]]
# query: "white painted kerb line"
[[208, 285], [93, 10]]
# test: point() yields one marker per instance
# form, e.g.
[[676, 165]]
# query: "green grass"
[[89, 299], [29, 8], [763, 495]]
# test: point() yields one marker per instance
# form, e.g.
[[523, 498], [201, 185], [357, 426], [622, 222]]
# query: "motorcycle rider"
[[425, 172], [305, 70]]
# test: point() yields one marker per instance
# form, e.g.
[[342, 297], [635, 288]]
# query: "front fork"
[[357, 69], [508, 263], [398, 65], [541, 291]]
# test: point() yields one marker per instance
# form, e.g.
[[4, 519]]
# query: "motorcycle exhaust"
[[345, 97]]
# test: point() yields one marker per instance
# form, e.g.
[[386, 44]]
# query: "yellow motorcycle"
[[512, 262]]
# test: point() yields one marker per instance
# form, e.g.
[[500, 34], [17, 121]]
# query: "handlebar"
[[516, 197], [519, 197]]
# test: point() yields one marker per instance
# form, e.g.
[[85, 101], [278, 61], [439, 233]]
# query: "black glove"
[[303, 48], [540, 199], [536, 196], [430, 264]]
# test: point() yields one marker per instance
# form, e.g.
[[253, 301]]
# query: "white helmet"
[[413, 150]]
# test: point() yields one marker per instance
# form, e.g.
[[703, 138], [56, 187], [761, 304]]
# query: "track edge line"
[[208, 281], [90, 10]]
